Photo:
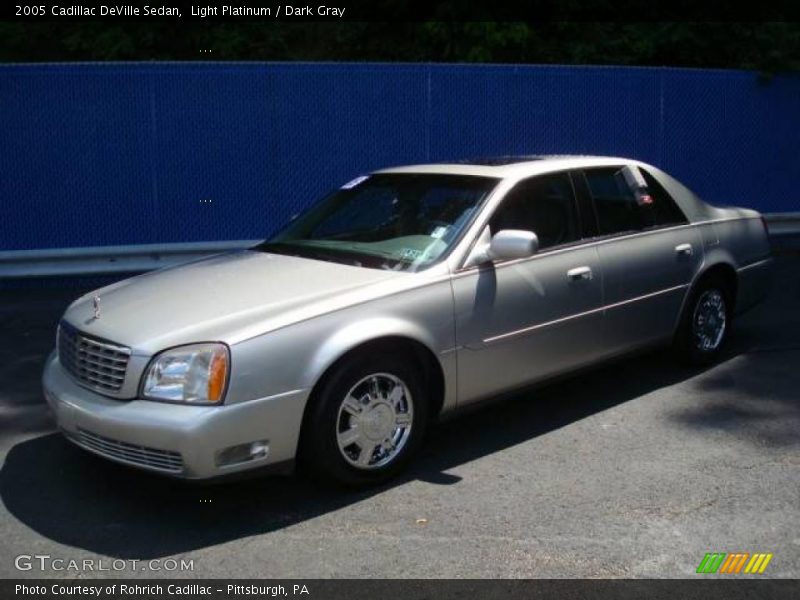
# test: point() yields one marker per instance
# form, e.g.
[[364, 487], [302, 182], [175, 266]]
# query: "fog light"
[[242, 453]]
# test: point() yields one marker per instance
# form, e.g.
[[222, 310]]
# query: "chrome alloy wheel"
[[374, 421], [709, 320]]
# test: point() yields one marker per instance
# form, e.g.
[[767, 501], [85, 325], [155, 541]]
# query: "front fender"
[[352, 335], [296, 356]]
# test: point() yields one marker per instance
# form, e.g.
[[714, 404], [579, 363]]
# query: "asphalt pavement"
[[634, 469]]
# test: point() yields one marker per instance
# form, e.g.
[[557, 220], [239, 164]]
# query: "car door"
[[648, 253], [523, 320]]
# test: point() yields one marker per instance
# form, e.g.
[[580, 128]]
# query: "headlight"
[[194, 374]]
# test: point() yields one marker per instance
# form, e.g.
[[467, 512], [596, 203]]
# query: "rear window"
[[666, 209], [621, 208]]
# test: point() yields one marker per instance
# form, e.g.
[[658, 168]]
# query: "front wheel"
[[706, 323], [366, 421]]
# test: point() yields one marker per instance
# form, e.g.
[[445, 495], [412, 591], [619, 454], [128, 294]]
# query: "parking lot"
[[634, 469]]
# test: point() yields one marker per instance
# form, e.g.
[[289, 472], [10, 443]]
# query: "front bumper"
[[173, 439]]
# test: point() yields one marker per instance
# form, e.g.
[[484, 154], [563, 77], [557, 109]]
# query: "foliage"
[[767, 47]]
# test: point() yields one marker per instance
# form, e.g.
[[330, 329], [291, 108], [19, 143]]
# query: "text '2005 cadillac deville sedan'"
[[401, 296]]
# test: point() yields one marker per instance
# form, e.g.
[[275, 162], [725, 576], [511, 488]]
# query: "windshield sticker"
[[410, 253], [439, 232], [354, 182]]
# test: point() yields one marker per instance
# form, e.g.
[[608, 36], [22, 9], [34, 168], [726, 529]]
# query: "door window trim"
[[586, 243]]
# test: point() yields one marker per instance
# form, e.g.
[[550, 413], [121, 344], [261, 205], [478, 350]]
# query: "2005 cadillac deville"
[[401, 296]]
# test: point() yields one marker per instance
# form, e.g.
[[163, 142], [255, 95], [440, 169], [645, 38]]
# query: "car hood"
[[217, 298]]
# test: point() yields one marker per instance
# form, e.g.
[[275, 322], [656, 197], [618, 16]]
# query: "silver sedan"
[[402, 296]]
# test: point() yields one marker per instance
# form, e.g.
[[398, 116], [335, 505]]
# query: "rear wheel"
[[366, 421], [706, 322]]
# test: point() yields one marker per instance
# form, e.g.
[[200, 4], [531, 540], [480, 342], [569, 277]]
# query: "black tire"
[[690, 345], [319, 450]]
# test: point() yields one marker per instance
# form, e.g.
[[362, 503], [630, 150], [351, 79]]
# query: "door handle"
[[579, 273], [684, 249]]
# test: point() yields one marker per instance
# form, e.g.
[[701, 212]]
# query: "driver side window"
[[544, 205]]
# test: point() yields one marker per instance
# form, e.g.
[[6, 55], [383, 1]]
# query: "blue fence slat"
[[137, 153]]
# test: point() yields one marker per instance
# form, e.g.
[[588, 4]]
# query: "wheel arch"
[[722, 269], [373, 336]]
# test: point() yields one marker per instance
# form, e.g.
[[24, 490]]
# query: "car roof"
[[502, 167]]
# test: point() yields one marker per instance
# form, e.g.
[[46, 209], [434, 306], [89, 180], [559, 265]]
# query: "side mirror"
[[509, 244]]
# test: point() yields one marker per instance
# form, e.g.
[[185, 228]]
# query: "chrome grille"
[[94, 362], [162, 460]]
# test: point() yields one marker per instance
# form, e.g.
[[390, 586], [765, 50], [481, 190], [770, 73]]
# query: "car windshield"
[[397, 221]]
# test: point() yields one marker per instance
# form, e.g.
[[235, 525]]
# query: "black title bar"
[[702, 588], [404, 10]]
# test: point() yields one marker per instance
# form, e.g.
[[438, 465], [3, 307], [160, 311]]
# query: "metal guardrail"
[[784, 232], [783, 223], [105, 260]]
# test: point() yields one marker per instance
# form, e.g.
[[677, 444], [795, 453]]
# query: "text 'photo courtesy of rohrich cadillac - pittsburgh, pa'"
[[135, 590]]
